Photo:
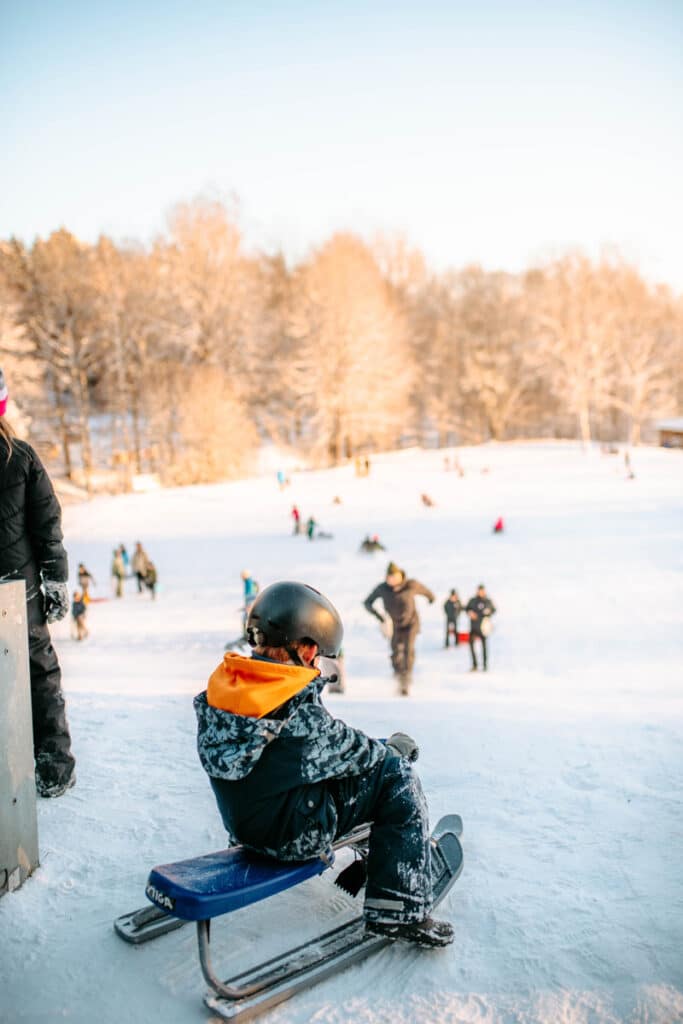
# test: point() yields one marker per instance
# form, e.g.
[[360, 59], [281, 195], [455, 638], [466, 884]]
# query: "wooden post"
[[18, 819]]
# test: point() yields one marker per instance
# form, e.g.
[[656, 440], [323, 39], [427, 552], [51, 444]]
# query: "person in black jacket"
[[289, 778], [31, 549], [480, 608], [398, 597], [452, 608]]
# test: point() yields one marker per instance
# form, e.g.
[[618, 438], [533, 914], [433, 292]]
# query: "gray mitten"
[[404, 746], [56, 600]]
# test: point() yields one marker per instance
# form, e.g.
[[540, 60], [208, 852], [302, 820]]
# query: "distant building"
[[670, 432]]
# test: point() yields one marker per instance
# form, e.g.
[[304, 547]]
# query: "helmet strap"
[[294, 655]]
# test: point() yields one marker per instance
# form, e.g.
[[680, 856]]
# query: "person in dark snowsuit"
[[479, 608], [398, 596], [452, 608], [289, 778], [31, 549]]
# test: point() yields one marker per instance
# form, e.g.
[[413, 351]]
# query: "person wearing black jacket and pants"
[[398, 595], [480, 608], [452, 608], [31, 549]]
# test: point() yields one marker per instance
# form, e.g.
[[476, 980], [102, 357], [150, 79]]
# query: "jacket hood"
[[230, 742], [253, 687]]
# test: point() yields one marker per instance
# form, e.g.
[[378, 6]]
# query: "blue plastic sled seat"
[[206, 887]]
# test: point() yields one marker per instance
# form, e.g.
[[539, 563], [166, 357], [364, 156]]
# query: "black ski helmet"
[[287, 612]]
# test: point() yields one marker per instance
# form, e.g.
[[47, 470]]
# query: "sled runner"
[[207, 887]]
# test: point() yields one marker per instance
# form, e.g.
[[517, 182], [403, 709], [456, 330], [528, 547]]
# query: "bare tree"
[[574, 321], [53, 285], [349, 370], [646, 337]]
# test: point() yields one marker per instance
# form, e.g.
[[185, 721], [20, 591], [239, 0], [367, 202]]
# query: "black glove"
[[403, 745], [56, 600]]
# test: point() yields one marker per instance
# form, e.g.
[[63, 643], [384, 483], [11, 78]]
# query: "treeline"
[[181, 357]]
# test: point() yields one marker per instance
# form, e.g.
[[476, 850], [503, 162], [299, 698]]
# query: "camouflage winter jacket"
[[272, 771]]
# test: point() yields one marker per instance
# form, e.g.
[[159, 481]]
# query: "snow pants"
[[403, 648], [399, 887], [451, 630], [51, 738], [478, 636]]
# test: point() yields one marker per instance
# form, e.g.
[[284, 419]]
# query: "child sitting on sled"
[[289, 778]]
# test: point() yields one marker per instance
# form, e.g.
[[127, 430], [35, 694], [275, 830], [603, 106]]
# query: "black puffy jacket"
[[30, 521]]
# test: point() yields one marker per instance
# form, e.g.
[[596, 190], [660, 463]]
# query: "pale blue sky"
[[493, 132]]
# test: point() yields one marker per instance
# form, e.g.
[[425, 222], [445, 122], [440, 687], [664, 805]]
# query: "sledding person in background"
[[452, 608], [140, 561], [371, 544], [480, 608], [398, 594], [296, 518], [31, 549], [289, 778]]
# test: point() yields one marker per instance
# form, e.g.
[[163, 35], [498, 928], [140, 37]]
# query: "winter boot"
[[404, 682], [428, 933], [53, 778]]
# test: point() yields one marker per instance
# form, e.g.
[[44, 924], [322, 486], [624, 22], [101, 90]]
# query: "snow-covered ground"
[[565, 760]]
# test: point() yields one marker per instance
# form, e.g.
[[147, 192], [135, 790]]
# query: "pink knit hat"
[[4, 393]]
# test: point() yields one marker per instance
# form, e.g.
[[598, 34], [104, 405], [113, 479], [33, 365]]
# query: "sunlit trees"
[[181, 357], [348, 367], [53, 289], [574, 320], [646, 340]]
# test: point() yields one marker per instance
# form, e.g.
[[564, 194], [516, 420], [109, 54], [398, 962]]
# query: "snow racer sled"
[[203, 888]]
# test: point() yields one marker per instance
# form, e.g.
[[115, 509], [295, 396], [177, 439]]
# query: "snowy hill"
[[565, 759]]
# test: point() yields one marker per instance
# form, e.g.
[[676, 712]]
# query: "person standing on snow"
[[118, 571], [398, 594], [289, 778], [78, 613], [140, 561], [296, 517], [85, 578], [480, 608], [31, 549], [151, 578], [251, 589], [452, 608]]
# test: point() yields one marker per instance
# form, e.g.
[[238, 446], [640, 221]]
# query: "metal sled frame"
[[250, 993], [263, 986]]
